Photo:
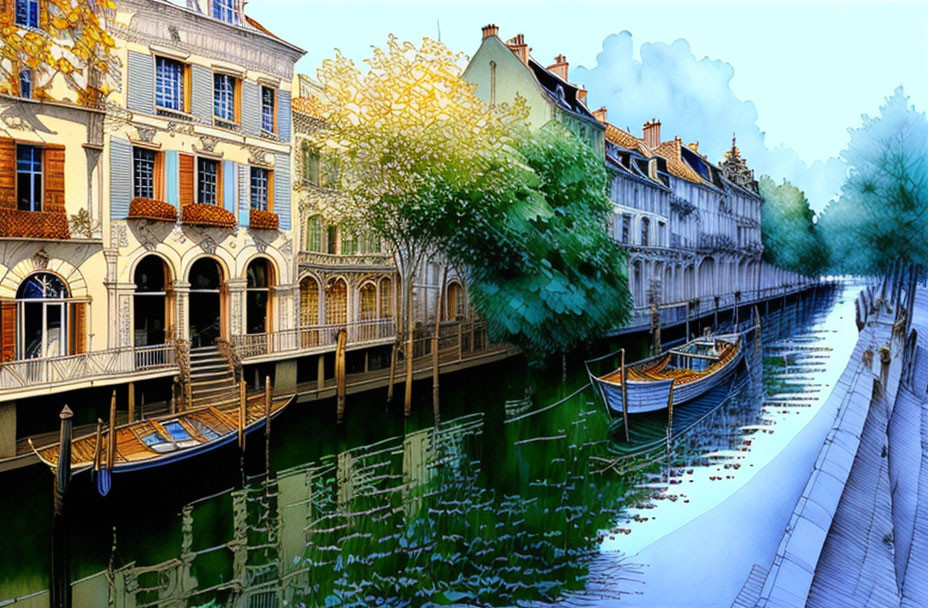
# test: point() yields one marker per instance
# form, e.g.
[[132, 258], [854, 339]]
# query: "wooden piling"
[[242, 411], [98, 447], [111, 435], [61, 549], [132, 402], [625, 397], [392, 378], [268, 406], [670, 418], [340, 346], [320, 373]]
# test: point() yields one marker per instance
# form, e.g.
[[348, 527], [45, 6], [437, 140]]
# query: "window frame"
[[155, 190], [217, 186], [268, 189], [219, 8], [273, 117], [30, 73], [37, 201], [235, 99], [183, 84], [29, 6]]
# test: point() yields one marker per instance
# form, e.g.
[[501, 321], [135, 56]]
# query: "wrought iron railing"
[[72, 368], [316, 258], [312, 337]]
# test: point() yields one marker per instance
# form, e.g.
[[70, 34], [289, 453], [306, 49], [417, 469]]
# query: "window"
[[257, 294], [143, 177], [169, 84], [662, 233], [224, 87], [25, 83], [314, 233], [626, 227], [260, 188], [207, 181], [27, 13], [224, 10], [267, 109], [42, 316], [29, 178], [311, 164], [645, 231]]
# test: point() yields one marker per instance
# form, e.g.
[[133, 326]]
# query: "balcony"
[[207, 215], [34, 224], [259, 219], [30, 377], [373, 262], [150, 209], [312, 339]]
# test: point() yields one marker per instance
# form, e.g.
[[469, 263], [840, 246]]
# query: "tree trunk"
[[407, 399], [435, 370]]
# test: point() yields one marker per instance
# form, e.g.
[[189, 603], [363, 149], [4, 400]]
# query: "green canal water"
[[509, 500]]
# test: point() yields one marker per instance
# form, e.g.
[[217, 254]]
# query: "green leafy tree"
[[881, 217], [791, 238], [549, 279]]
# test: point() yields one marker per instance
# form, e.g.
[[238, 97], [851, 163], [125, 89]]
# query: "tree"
[[791, 238], [880, 218], [72, 43], [550, 279], [418, 152]]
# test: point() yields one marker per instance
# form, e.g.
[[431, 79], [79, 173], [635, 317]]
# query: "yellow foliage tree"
[[71, 42], [412, 142]]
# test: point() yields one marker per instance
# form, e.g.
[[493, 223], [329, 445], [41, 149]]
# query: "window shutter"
[[7, 331], [53, 161], [283, 115], [228, 185], [186, 188], [77, 328], [171, 177], [120, 177], [7, 173], [201, 100], [282, 190], [251, 109], [244, 194], [141, 94]]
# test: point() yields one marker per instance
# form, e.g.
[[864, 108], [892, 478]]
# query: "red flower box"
[[149, 209], [34, 224], [263, 220], [207, 215]]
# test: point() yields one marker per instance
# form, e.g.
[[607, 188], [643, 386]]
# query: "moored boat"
[[166, 439], [688, 370]]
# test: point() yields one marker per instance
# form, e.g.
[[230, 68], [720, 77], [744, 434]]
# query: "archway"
[[309, 302], [205, 317], [455, 304], [367, 296], [706, 279], [43, 317], [151, 303], [259, 279], [336, 301]]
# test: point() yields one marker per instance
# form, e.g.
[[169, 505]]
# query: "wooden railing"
[[312, 337], [117, 361]]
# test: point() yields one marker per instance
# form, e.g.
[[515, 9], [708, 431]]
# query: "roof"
[[308, 105], [621, 137], [562, 93], [671, 150]]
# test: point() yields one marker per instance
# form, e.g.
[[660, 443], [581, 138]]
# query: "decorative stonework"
[[119, 235], [83, 226], [40, 259], [208, 143], [257, 156], [146, 134], [736, 170]]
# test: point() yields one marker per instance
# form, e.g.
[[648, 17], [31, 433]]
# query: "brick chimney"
[[652, 133], [581, 93], [517, 45], [600, 115], [559, 67], [490, 30]]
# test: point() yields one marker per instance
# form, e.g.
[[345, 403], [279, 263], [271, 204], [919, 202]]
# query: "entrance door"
[[205, 302], [151, 301]]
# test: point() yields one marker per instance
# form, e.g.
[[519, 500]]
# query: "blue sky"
[[801, 72]]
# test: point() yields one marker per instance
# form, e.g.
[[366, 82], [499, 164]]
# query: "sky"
[[789, 78]]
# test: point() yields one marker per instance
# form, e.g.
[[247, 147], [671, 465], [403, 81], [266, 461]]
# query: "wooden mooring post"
[[625, 398], [670, 420], [242, 412], [340, 346], [268, 407], [61, 546], [132, 402]]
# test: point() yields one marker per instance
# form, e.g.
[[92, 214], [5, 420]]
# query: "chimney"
[[517, 45], [652, 133], [694, 147], [600, 115], [559, 67], [581, 94], [490, 30]]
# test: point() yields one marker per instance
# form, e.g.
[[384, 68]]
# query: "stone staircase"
[[212, 378]]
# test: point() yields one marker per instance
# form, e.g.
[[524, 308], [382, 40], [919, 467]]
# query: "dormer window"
[[224, 10], [25, 83]]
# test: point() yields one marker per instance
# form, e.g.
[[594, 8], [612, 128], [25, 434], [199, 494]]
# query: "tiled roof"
[[307, 105], [623, 138], [670, 150]]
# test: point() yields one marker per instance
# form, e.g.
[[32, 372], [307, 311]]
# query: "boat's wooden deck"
[[655, 371]]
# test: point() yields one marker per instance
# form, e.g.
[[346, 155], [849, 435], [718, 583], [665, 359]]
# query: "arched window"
[[368, 295], [205, 318], [151, 301], [336, 301], [455, 301], [314, 234], [43, 318], [258, 296], [309, 302], [386, 298], [645, 231]]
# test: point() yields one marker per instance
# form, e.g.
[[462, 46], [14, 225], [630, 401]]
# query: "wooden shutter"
[[120, 177], [251, 108], [186, 180], [281, 199], [229, 187], [141, 80], [7, 173], [7, 8], [77, 328], [53, 159], [7, 331], [244, 193], [282, 109], [201, 97]]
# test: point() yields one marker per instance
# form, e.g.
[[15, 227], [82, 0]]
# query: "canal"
[[523, 487]]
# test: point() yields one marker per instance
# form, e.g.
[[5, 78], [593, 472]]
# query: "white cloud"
[[693, 99]]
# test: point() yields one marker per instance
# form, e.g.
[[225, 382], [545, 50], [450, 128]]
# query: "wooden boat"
[[691, 369], [166, 439]]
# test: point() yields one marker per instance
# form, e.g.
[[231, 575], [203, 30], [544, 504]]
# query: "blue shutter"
[[282, 190], [141, 88], [201, 97], [283, 115], [244, 193], [251, 109], [228, 185], [120, 178], [172, 177]]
